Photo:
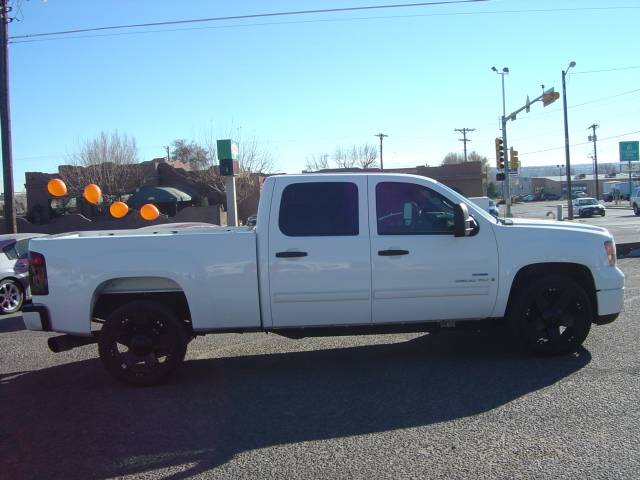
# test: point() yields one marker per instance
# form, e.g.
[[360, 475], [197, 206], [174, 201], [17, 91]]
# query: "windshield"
[[587, 201]]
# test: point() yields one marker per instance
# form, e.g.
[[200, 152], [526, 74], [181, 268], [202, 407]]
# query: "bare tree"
[[476, 157], [367, 156], [452, 158], [109, 160], [355, 156], [253, 160], [190, 153], [318, 161]]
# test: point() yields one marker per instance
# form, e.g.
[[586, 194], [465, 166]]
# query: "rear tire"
[[11, 296], [142, 343], [552, 315]]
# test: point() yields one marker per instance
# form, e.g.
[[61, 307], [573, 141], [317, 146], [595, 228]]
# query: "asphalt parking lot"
[[619, 220], [455, 405]]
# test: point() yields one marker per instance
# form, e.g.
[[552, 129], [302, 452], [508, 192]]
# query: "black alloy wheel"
[[11, 296], [553, 315], [142, 342]]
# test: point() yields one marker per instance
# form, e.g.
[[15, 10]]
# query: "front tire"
[[552, 315], [11, 296], [142, 343], [636, 210]]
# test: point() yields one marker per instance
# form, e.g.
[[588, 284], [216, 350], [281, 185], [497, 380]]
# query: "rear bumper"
[[36, 317]]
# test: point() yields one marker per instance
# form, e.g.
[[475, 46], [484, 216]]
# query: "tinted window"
[[409, 209], [10, 251], [22, 248], [319, 209]]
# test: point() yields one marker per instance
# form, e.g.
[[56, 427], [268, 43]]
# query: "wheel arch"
[[115, 292], [15, 280], [578, 272]]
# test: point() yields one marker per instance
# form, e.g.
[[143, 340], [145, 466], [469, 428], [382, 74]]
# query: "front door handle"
[[291, 254], [392, 253]]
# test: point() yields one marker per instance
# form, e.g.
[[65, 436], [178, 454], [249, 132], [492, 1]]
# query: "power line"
[[28, 37], [581, 143], [245, 17], [606, 70]]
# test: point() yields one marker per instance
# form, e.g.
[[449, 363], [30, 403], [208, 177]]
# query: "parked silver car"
[[14, 271]]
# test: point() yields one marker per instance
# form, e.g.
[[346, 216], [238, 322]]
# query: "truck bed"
[[214, 267]]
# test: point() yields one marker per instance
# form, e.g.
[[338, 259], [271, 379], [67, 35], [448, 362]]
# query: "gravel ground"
[[454, 405]]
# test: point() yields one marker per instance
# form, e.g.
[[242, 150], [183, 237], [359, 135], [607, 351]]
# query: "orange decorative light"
[[92, 193], [149, 211], [56, 187], [118, 209]]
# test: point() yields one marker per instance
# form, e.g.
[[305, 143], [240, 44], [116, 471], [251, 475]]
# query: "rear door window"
[[319, 209]]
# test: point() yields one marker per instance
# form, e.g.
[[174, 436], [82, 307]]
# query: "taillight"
[[38, 274], [610, 249]]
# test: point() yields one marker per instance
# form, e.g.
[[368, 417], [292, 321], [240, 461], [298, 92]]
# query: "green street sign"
[[629, 151], [227, 150]]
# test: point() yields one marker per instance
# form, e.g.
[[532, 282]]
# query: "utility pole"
[[381, 136], [5, 120], [464, 138], [168, 157], [595, 156]]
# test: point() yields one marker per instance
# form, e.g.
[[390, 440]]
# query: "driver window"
[[410, 209]]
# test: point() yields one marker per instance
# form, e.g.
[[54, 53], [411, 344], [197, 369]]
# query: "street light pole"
[[595, 156], [566, 140]]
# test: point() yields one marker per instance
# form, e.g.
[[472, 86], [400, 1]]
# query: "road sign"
[[227, 150], [629, 151]]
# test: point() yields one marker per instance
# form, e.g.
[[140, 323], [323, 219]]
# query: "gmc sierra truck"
[[339, 254]]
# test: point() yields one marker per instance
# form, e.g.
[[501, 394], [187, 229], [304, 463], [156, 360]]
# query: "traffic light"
[[549, 96], [499, 154], [514, 163]]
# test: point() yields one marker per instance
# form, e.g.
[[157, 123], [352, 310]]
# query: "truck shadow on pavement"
[[73, 421]]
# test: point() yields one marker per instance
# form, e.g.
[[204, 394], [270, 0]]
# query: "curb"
[[628, 250]]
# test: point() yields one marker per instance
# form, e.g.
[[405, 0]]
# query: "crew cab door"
[[420, 271], [319, 261]]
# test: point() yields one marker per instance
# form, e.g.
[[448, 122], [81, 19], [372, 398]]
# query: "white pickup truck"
[[339, 254]]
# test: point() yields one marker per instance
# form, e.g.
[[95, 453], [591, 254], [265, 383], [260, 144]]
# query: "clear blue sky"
[[306, 84]]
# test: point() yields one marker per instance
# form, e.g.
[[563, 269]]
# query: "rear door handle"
[[291, 254], [392, 253]]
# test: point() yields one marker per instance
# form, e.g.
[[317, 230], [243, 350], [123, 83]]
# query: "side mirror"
[[461, 221]]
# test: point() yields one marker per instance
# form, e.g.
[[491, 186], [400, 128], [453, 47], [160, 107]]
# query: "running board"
[[379, 329]]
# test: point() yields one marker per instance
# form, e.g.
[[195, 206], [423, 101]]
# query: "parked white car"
[[331, 254], [588, 207]]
